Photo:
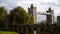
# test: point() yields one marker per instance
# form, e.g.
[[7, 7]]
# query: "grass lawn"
[[7, 32]]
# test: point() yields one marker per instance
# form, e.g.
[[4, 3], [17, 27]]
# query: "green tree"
[[19, 16], [2, 15], [31, 20]]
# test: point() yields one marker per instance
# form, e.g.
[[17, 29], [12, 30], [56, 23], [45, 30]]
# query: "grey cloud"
[[52, 4]]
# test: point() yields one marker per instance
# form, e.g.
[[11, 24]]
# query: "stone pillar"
[[35, 32], [25, 30], [21, 32], [30, 31], [38, 31], [17, 28]]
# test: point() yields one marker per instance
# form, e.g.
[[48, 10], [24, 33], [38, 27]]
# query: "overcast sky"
[[42, 5]]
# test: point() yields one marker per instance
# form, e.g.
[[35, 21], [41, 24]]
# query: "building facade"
[[58, 20]]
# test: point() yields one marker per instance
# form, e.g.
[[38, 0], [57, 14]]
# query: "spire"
[[49, 8], [31, 5]]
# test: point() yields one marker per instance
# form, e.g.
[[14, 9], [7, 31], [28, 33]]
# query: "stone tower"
[[50, 18], [32, 11], [58, 20]]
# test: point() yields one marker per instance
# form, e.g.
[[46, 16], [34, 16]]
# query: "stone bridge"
[[30, 29]]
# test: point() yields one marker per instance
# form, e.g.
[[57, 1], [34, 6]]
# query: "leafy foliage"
[[2, 15], [31, 20], [19, 16]]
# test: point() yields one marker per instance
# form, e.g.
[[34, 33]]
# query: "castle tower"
[[32, 11], [50, 18]]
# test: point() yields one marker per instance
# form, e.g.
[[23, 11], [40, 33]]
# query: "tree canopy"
[[2, 15], [19, 16]]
